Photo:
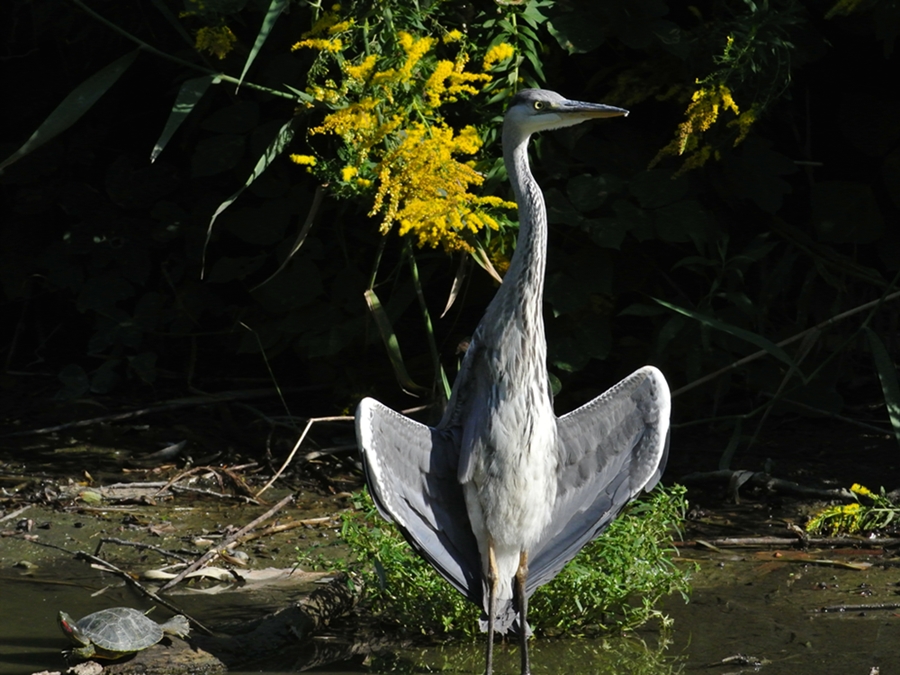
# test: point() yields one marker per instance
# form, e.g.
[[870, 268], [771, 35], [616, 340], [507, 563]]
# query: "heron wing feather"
[[609, 450], [411, 471]]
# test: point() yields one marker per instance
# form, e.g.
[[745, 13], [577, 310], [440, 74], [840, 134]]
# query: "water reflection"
[[612, 656]]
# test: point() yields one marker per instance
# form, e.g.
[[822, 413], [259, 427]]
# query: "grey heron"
[[502, 493]]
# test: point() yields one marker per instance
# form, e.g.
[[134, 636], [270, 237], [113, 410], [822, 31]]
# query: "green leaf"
[[887, 374], [217, 154], [587, 192], [275, 9], [753, 172], [105, 378], [635, 219], [682, 222], [75, 381], [746, 335], [264, 225], [144, 366], [392, 345], [657, 188], [298, 284], [607, 232], [188, 96], [276, 147], [575, 34], [228, 269], [73, 106]]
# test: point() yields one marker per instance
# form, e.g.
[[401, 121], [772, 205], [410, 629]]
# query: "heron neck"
[[525, 277]]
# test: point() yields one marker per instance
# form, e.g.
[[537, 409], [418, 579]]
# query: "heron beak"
[[584, 111]]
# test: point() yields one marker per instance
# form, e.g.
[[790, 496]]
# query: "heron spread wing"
[[411, 470], [609, 450]]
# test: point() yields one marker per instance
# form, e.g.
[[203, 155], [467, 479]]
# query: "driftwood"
[[735, 479]]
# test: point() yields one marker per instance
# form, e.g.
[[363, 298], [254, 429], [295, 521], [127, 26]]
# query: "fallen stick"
[[209, 555]]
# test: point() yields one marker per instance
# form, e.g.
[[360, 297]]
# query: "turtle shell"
[[120, 630]]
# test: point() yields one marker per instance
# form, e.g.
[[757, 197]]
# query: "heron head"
[[532, 110]]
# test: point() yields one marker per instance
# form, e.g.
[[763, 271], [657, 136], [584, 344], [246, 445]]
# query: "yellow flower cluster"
[[449, 80], [496, 54], [706, 106], [836, 519], [861, 490], [396, 139], [452, 36], [415, 50], [423, 188], [217, 41], [329, 24], [332, 45], [361, 72], [304, 160]]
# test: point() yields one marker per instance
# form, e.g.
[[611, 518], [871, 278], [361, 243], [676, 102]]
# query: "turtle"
[[117, 632]]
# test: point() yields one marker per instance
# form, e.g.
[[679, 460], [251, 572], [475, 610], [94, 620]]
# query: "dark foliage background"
[[102, 251]]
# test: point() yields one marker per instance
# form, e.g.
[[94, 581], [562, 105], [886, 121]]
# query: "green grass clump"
[[613, 584]]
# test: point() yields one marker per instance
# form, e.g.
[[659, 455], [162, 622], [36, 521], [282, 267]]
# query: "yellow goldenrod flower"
[[361, 72], [424, 189], [435, 85], [706, 106], [452, 36], [397, 144], [217, 41], [333, 45], [496, 54], [861, 490], [307, 160], [340, 27], [323, 23], [743, 122], [415, 50]]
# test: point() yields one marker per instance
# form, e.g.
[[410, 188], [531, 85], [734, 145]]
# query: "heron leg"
[[522, 599], [493, 580]]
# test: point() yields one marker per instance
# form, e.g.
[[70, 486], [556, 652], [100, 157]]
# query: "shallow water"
[[762, 605]]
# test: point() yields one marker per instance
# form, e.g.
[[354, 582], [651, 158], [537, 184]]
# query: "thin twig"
[[10, 516], [762, 479], [128, 579], [312, 420], [284, 527], [164, 407], [209, 555], [138, 585], [868, 607], [738, 542], [137, 544]]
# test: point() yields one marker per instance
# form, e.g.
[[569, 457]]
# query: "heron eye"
[[538, 105]]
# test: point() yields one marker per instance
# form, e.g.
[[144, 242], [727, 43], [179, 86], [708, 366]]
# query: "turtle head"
[[71, 629]]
